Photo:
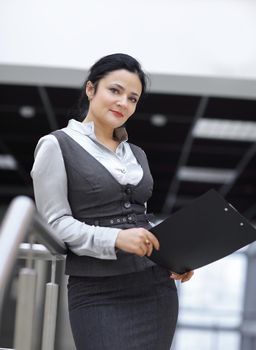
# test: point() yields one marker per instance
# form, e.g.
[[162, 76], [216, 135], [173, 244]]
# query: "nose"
[[122, 101]]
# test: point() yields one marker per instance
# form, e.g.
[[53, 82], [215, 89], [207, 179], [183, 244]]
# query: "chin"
[[117, 123]]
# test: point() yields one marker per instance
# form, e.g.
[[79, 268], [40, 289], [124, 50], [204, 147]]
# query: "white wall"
[[202, 38]]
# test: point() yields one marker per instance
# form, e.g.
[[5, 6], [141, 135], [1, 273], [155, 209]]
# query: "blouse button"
[[127, 205], [123, 171], [128, 190]]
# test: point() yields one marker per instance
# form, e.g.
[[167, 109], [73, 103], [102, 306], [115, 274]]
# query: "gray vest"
[[96, 198]]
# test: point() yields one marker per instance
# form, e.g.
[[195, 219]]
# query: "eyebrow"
[[122, 88]]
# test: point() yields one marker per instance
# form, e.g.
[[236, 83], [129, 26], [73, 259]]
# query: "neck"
[[104, 134]]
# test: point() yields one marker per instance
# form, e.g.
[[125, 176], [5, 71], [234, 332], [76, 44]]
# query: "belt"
[[116, 220]]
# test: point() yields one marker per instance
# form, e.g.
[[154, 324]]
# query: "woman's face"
[[115, 99]]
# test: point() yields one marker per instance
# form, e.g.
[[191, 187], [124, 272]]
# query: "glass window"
[[211, 305], [187, 339]]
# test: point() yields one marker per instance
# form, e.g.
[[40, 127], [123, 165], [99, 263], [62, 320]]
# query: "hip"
[[151, 283]]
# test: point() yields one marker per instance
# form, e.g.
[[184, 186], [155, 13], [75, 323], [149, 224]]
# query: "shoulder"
[[47, 155], [47, 144], [47, 140]]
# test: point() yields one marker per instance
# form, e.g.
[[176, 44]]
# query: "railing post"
[[41, 268], [13, 230], [50, 311], [23, 337]]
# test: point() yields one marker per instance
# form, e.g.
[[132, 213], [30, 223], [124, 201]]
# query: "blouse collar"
[[120, 134]]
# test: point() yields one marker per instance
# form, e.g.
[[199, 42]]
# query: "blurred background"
[[197, 125]]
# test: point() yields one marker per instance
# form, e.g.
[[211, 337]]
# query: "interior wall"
[[185, 37]]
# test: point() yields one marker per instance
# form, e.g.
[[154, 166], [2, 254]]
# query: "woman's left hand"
[[183, 277]]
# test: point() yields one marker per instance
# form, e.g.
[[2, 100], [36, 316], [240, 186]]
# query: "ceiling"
[[173, 150]]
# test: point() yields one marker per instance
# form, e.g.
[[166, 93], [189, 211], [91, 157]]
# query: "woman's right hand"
[[138, 241]]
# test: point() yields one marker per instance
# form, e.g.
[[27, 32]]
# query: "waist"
[[117, 220]]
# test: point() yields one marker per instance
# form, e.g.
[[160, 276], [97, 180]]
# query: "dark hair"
[[106, 65]]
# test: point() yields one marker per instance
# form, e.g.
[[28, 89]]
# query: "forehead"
[[128, 80]]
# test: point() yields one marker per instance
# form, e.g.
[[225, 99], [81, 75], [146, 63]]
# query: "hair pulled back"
[[106, 65]]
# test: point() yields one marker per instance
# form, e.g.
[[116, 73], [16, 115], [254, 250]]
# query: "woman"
[[92, 187]]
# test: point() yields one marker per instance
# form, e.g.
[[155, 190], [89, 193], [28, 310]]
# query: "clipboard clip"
[[226, 209]]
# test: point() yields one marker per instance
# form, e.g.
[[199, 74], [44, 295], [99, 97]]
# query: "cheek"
[[107, 100], [132, 109], [102, 99]]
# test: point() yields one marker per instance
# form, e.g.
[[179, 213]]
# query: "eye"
[[133, 100], [114, 90]]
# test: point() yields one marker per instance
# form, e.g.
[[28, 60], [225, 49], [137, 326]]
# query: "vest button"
[[127, 205], [128, 191]]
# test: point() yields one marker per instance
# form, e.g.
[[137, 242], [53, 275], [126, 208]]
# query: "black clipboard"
[[207, 229]]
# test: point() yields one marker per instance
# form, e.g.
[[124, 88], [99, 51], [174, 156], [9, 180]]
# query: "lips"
[[117, 114]]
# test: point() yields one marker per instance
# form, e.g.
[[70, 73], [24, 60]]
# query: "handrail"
[[38, 252], [47, 237], [20, 219]]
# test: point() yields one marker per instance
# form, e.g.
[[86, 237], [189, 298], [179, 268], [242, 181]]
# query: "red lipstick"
[[117, 114]]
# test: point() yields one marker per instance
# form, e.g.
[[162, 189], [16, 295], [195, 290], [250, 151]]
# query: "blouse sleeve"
[[50, 189]]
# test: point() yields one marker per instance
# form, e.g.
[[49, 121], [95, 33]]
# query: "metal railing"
[[21, 221]]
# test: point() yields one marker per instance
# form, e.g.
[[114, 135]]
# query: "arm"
[[50, 189]]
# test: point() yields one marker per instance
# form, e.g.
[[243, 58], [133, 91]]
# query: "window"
[[211, 306]]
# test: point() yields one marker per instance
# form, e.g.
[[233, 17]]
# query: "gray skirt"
[[136, 311]]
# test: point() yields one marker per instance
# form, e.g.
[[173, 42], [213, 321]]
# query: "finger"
[[187, 276], [183, 276], [152, 238], [176, 276], [149, 247], [142, 250]]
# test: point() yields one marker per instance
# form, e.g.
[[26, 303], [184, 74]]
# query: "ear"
[[89, 90]]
